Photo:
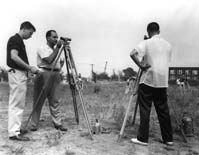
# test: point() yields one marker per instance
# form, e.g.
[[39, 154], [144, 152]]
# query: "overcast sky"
[[104, 30]]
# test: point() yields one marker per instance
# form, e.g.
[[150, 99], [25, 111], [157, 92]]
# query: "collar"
[[156, 36], [17, 34]]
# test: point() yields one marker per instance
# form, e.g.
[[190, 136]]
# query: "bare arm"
[[20, 62], [50, 59], [134, 57]]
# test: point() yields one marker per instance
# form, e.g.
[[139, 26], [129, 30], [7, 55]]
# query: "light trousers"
[[17, 95]]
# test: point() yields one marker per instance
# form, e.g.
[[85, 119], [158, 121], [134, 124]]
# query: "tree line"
[[120, 76]]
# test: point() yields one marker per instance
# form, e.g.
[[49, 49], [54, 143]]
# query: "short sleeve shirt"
[[156, 52], [16, 42], [44, 52]]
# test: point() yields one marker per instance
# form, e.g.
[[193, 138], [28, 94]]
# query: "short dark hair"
[[153, 27], [27, 25], [48, 33]]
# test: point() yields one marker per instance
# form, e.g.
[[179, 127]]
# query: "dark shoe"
[[23, 131], [19, 138], [33, 129], [61, 128]]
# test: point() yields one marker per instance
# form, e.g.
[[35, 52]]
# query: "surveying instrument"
[[135, 89], [73, 81]]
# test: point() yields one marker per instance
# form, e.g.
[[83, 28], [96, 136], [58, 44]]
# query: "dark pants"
[[147, 95], [49, 84]]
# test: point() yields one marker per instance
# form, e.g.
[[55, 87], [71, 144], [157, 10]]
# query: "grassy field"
[[107, 102]]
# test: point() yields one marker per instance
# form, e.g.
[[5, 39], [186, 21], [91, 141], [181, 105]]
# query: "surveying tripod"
[[73, 83], [135, 89]]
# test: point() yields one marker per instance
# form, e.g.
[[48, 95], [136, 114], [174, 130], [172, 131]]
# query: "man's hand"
[[144, 67], [59, 44], [67, 47], [34, 70]]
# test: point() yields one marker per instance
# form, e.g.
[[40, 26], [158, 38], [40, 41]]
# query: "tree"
[[129, 72], [102, 76], [3, 75], [114, 76]]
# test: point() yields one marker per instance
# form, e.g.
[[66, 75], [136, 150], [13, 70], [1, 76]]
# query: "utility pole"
[[119, 76], [92, 73], [105, 67], [92, 67]]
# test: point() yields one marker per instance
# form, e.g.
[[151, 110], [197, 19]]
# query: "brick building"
[[190, 73]]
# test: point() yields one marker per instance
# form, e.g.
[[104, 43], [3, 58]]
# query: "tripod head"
[[66, 40]]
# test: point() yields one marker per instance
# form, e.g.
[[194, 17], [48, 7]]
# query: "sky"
[[104, 30]]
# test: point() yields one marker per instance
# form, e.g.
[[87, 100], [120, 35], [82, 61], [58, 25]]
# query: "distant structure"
[[1, 76], [191, 74], [105, 67]]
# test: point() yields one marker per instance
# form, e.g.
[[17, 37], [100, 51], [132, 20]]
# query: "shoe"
[[167, 143], [33, 129], [61, 128], [19, 138], [23, 131], [136, 141]]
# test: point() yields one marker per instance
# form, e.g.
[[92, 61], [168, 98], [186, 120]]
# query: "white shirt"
[[43, 52], [156, 52]]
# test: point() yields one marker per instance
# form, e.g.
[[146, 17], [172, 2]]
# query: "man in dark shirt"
[[17, 75]]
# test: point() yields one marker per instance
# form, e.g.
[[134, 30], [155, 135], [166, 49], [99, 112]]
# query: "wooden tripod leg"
[[85, 114], [135, 113], [73, 90], [125, 118], [75, 105], [35, 106], [135, 88], [73, 69]]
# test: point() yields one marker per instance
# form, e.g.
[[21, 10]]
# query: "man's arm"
[[134, 57], [20, 62], [50, 59]]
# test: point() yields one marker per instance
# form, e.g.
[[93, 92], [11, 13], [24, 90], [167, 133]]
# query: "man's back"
[[156, 52]]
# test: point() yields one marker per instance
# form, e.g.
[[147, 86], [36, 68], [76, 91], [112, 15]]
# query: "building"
[[190, 73]]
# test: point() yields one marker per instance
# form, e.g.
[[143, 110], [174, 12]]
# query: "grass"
[[185, 101], [69, 152], [18, 150], [109, 102]]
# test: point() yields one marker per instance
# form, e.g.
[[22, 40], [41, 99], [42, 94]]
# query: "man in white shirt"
[[50, 80], [156, 55]]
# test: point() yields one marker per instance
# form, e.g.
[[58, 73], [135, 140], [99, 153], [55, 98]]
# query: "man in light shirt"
[[156, 54], [48, 81]]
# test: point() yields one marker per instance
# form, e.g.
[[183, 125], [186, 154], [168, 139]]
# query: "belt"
[[11, 70], [49, 69], [14, 70]]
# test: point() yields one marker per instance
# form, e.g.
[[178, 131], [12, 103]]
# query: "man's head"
[[153, 28], [51, 37], [26, 30]]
